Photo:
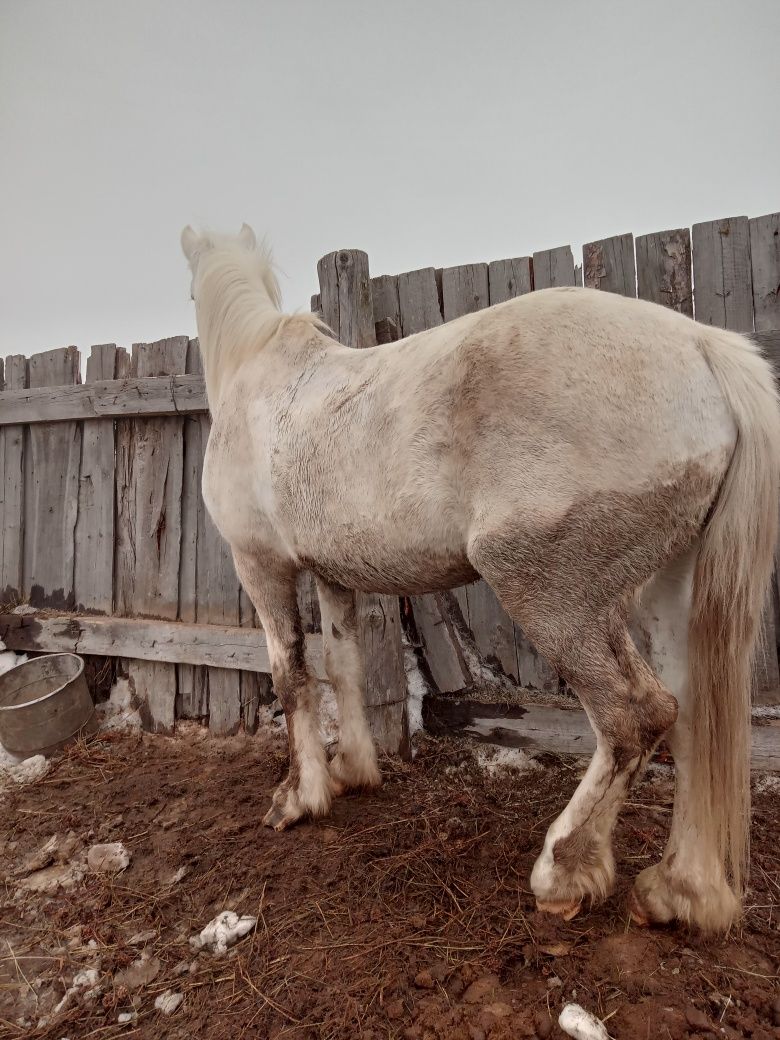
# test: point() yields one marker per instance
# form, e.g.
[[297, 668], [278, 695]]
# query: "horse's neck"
[[242, 318]]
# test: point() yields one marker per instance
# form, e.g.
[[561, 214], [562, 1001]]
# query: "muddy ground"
[[406, 914]]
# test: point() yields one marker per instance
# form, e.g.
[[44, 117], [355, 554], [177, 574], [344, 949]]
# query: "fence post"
[[347, 308]]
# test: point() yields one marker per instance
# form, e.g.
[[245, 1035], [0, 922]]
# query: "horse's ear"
[[189, 242], [246, 237]]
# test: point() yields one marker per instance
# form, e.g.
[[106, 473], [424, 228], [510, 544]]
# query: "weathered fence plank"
[[12, 490], [609, 265], [149, 504], [94, 573], [387, 310], [148, 640], [345, 289], [765, 265], [52, 459], [105, 399], [663, 269], [464, 289], [509, 278], [553, 267], [721, 274], [192, 681], [418, 301]]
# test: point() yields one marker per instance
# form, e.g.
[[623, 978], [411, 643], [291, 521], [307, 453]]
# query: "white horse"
[[585, 454]]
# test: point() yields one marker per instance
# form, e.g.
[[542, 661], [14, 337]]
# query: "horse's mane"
[[239, 306]]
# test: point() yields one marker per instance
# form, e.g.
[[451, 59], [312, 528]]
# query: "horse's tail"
[[733, 568]]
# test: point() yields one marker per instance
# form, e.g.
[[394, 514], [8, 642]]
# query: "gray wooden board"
[[148, 639], [765, 265], [543, 728], [385, 302], [418, 301], [553, 268], [192, 699], [722, 274], [94, 565], [464, 289], [440, 646], [12, 491], [663, 269], [509, 278], [105, 399], [347, 306], [609, 265], [147, 574], [52, 460]]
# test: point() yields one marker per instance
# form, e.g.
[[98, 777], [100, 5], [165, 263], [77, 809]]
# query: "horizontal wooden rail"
[[105, 399], [172, 642]]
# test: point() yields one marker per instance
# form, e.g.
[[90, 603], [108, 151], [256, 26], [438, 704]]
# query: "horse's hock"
[[106, 544]]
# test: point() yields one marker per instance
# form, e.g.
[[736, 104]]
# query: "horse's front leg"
[[308, 789], [355, 763]]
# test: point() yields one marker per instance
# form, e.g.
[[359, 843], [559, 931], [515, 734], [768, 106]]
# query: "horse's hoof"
[[568, 911], [279, 818], [637, 912]]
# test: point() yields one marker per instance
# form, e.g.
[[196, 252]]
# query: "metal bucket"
[[45, 703]]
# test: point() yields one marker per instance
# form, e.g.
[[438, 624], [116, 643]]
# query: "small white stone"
[[108, 859], [223, 931], [580, 1024], [168, 1002], [126, 1017]]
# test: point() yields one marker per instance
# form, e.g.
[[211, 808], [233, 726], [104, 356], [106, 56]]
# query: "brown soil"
[[406, 914]]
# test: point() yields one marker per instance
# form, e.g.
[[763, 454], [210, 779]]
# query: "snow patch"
[[497, 760]]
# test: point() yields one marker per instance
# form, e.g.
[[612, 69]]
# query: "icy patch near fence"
[[498, 760], [118, 713], [769, 784], [23, 771], [226, 929], [9, 659], [416, 689]]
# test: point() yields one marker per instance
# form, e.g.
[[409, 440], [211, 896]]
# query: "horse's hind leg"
[[689, 883], [627, 706], [307, 790], [355, 763]]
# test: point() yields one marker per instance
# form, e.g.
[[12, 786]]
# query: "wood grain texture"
[[509, 278], [663, 269], [106, 399], [192, 700], [12, 490], [345, 292], [722, 274], [465, 289], [609, 265], [578, 275], [52, 460], [553, 268], [94, 565], [347, 304], [150, 640], [149, 503], [419, 301], [386, 308], [765, 268]]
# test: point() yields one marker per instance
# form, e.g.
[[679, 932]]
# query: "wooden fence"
[[105, 541]]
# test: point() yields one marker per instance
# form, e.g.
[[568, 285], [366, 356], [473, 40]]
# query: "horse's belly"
[[391, 570]]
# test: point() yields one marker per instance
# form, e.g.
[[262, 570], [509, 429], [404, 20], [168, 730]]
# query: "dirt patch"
[[406, 914]]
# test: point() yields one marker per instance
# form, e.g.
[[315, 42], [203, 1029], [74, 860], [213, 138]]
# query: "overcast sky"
[[427, 132]]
